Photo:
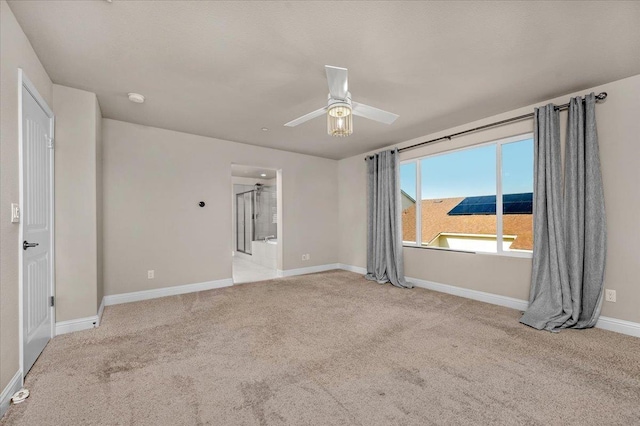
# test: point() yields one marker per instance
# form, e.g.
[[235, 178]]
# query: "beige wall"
[[76, 202], [16, 52], [99, 213], [153, 180], [618, 128]]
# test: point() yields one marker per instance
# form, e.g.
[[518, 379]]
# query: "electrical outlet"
[[305, 256], [151, 274], [610, 295]]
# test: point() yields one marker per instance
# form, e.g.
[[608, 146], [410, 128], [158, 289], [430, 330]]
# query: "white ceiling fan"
[[340, 109]]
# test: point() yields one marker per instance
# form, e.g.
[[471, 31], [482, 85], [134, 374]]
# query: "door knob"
[[26, 245]]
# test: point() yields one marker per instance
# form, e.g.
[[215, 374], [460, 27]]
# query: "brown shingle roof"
[[435, 220]]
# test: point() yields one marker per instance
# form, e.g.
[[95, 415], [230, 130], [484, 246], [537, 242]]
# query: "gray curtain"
[[549, 276], [585, 222], [384, 237], [569, 231]]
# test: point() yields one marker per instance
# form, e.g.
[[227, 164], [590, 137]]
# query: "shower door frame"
[[253, 228]]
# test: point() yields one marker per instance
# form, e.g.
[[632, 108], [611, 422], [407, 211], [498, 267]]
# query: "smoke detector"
[[136, 98]]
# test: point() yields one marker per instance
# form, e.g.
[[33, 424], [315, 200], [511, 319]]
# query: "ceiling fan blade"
[[306, 117], [337, 79], [372, 113]]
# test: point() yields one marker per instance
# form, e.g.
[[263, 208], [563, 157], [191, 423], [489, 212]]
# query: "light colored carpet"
[[329, 349]]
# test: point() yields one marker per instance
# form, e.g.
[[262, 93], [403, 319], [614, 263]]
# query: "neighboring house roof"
[[404, 194], [436, 220]]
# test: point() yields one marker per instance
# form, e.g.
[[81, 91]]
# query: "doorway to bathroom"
[[257, 246]]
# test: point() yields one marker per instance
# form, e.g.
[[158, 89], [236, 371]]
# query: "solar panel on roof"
[[486, 205]]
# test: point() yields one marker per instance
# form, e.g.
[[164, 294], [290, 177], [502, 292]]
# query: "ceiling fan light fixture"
[[339, 120], [339, 110]]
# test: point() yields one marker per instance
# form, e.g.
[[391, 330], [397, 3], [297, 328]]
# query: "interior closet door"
[[37, 226]]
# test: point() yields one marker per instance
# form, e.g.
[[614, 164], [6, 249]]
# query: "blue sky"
[[472, 172]]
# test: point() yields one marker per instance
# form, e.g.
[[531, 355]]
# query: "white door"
[[37, 225]]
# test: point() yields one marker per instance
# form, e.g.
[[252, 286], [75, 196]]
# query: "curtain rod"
[[599, 97]]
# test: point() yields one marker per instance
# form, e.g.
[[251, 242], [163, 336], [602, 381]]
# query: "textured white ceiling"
[[227, 69]]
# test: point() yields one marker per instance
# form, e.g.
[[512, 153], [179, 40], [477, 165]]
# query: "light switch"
[[15, 213]]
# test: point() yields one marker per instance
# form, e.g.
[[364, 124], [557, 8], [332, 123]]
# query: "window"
[[476, 199], [408, 196]]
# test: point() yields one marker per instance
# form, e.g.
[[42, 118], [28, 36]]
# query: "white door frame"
[[279, 218], [24, 82]]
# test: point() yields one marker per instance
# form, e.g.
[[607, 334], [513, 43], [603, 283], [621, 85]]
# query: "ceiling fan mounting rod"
[[333, 101]]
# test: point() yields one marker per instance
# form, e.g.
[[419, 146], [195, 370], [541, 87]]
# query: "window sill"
[[437, 248], [522, 255]]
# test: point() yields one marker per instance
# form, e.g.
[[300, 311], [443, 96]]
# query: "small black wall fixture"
[[201, 204]]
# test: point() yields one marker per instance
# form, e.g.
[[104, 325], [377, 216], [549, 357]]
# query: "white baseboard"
[[116, 299], [310, 270], [605, 323], [100, 311], [12, 387], [494, 299], [78, 324], [619, 326], [351, 268]]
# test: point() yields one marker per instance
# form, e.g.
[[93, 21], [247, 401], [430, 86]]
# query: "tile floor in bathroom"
[[245, 271]]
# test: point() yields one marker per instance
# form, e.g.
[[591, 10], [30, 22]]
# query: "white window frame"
[[499, 226]]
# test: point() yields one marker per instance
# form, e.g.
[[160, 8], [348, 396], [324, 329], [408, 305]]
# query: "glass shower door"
[[244, 221], [248, 221]]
